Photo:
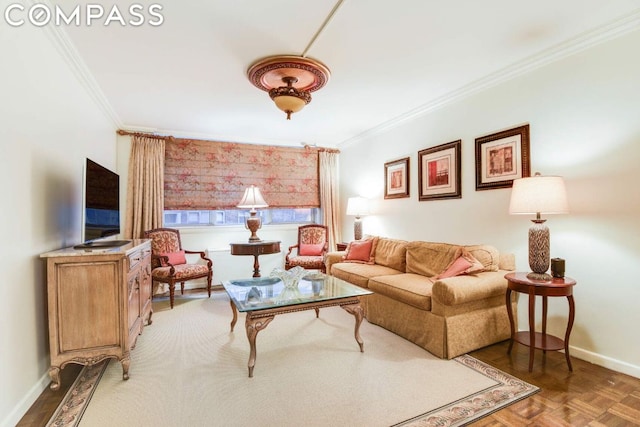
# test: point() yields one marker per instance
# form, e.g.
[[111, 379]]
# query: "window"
[[176, 218]]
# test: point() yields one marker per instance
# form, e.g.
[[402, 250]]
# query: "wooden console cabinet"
[[98, 302]]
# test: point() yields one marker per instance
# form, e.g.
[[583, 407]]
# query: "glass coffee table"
[[262, 298]]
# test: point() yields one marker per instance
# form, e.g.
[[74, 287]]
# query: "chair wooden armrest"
[[202, 254], [291, 248]]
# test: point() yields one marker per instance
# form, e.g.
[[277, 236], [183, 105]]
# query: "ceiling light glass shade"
[[289, 103], [539, 194], [252, 199]]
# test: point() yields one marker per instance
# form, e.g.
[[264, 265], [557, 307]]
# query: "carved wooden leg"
[[358, 312], [172, 292], [254, 325], [149, 321], [126, 361], [511, 321], [256, 266], [54, 374], [317, 312], [572, 314], [209, 278], [181, 288], [235, 314]]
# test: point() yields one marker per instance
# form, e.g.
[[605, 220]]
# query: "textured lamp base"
[[539, 256], [541, 277], [357, 229], [253, 224]]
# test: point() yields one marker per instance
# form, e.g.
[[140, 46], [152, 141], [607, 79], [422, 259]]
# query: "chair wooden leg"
[[172, 291], [209, 278], [182, 288]]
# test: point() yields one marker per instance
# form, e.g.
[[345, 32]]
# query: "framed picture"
[[439, 172], [396, 179], [502, 157]]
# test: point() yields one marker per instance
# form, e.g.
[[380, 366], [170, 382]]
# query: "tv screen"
[[101, 202]]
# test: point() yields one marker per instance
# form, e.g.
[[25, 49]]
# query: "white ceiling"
[[389, 60]]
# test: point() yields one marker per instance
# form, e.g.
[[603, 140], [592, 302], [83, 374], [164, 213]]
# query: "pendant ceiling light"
[[289, 80]]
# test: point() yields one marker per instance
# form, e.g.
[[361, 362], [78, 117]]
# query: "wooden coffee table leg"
[[235, 314], [255, 325], [356, 310]]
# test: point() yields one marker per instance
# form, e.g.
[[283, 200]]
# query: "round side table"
[[557, 287]]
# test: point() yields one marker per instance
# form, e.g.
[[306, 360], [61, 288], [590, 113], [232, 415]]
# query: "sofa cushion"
[[487, 255], [430, 259], [391, 253], [408, 288], [464, 288], [359, 274]]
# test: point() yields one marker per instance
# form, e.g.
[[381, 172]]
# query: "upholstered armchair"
[[311, 248], [169, 264]]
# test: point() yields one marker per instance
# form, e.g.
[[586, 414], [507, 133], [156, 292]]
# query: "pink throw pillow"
[[457, 267], [310, 249], [175, 258], [359, 251], [464, 264]]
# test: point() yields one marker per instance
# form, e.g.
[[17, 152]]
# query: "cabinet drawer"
[[134, 259]]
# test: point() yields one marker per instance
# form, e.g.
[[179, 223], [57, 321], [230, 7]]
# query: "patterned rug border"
[[70, 410], [507, 391]]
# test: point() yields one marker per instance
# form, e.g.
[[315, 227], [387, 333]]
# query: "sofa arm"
[[466, 288], [331, 258]]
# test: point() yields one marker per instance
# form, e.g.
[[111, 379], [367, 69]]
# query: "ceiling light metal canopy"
[[289, 80]]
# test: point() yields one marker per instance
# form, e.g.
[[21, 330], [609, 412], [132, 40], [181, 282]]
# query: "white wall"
[[49, 125], [585, 126]]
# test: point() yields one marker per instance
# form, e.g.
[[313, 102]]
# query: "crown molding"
[[565, 49], [72, 57]]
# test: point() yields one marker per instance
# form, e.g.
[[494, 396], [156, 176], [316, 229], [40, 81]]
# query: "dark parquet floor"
[[589, 396]]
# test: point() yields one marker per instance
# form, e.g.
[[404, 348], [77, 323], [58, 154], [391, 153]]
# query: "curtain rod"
[[173, 138], [144, 134]]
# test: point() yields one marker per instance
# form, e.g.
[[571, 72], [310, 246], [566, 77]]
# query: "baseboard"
[[606, 362], [23, 406]]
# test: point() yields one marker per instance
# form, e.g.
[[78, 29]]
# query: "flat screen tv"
[[101, 207]]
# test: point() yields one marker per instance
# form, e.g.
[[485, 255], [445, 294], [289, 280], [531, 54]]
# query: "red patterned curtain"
[[213, 175]]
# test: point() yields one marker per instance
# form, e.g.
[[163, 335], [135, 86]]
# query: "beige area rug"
[[188, 369]]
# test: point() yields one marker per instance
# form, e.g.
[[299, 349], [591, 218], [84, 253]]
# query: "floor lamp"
[[357, 206], [539, 195]]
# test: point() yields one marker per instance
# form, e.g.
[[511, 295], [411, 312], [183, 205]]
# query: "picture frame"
[[439, 172], [502, 157], [396, 179]]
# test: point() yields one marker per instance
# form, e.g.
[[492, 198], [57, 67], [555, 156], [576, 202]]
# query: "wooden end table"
[[557, 287], [256, 249]]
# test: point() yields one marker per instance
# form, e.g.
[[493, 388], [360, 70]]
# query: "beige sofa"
[[448, 317]]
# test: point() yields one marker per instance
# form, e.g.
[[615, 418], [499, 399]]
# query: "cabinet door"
[[145, 288], [133, 289], [88, 305]]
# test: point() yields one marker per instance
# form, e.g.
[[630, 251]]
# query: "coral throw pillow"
[[464, 264], [359, 251], [175, 258], [310, 249]]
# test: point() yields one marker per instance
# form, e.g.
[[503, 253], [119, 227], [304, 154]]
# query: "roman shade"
[[212, 175]]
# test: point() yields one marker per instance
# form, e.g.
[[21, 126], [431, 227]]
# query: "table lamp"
[[357, 206], [539, 195], [253, 199]]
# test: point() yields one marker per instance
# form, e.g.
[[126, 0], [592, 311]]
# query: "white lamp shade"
[[539, 194], [252, 199], [357, 206]]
